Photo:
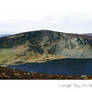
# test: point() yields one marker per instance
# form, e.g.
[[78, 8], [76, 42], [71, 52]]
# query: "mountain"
[[42, 46], [87, 34], [3, 35]]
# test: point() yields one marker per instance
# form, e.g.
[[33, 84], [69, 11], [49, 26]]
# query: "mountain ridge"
[[43, 45]]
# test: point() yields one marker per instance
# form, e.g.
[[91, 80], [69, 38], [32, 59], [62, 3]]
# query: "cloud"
[[74, 16]]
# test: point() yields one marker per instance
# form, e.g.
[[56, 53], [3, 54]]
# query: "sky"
[[70, 16]]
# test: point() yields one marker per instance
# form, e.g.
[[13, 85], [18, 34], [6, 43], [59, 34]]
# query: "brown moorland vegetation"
[[9, 73]]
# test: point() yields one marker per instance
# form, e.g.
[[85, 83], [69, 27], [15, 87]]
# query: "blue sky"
[[71, 16]]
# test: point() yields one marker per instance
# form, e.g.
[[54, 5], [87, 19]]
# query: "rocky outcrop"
[[43, 45]]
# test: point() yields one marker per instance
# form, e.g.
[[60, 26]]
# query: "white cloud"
[[65, 15]]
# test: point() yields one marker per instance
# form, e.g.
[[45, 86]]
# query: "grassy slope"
[[41, 46]]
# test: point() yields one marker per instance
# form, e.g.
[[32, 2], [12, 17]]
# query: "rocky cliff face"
[[43, 45]]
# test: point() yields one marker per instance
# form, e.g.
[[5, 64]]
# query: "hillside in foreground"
[[9, 73]]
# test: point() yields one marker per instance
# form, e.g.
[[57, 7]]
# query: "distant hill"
[[3, 35], [88, 34], [43, 45]]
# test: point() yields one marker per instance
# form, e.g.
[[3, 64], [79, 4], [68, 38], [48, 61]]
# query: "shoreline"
[[12, 74]]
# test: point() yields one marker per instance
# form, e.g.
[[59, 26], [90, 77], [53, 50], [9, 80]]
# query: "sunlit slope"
[[43, 45]]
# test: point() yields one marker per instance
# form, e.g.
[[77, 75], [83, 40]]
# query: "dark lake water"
[[66, 67]]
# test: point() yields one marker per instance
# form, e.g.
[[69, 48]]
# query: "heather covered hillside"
[[43, 45]]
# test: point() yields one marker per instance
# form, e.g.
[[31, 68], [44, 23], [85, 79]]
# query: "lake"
[[73, 67]]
